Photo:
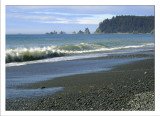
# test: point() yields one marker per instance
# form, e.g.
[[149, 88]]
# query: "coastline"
[[123, 33], [127, 87]]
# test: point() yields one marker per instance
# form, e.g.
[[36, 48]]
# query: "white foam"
[[74, 57], [68, 58], [53, 49], [65, 58]]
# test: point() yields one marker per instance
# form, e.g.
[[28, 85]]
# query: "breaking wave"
[[36, 53]]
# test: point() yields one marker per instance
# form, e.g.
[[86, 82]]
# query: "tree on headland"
[[127, 24]]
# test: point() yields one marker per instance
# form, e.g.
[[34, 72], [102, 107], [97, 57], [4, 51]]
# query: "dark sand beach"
[[126, 87], [79, 58]]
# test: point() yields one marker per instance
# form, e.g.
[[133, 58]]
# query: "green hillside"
[[127, 24]]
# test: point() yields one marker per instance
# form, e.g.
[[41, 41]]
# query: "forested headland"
[[127, 24]]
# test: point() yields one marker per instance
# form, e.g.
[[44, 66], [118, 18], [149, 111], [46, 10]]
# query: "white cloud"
[[60, 17], [53, 13], [60, 13], [30, 7], [38, 17], [112, 9], [76, 8], [62, 21], [93, 19]]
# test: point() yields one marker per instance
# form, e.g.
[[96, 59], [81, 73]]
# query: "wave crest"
[[36, 53], [29, 54]]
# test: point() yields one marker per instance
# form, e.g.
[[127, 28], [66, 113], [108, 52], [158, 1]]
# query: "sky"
[[42, 19]]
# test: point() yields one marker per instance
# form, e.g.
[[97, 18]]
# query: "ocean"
[[39, 57], [25, 48]]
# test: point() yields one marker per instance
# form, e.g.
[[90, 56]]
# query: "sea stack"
[[87, 31], [61, 32], [73, 32], [80, 32]]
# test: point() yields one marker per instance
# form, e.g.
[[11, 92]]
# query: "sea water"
[[24, 48], [35, 58]]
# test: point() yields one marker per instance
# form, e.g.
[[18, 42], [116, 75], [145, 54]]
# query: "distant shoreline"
[[78, 34], [124, 33]]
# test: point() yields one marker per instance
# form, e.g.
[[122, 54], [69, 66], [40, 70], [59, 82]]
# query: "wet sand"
[[126, 87]]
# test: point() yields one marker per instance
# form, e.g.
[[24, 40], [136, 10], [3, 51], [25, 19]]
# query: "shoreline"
[[113, 90]]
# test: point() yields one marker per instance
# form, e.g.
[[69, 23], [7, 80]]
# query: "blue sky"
[[42, 19]]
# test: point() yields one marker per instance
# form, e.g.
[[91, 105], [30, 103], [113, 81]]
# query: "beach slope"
[[126, 87]]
